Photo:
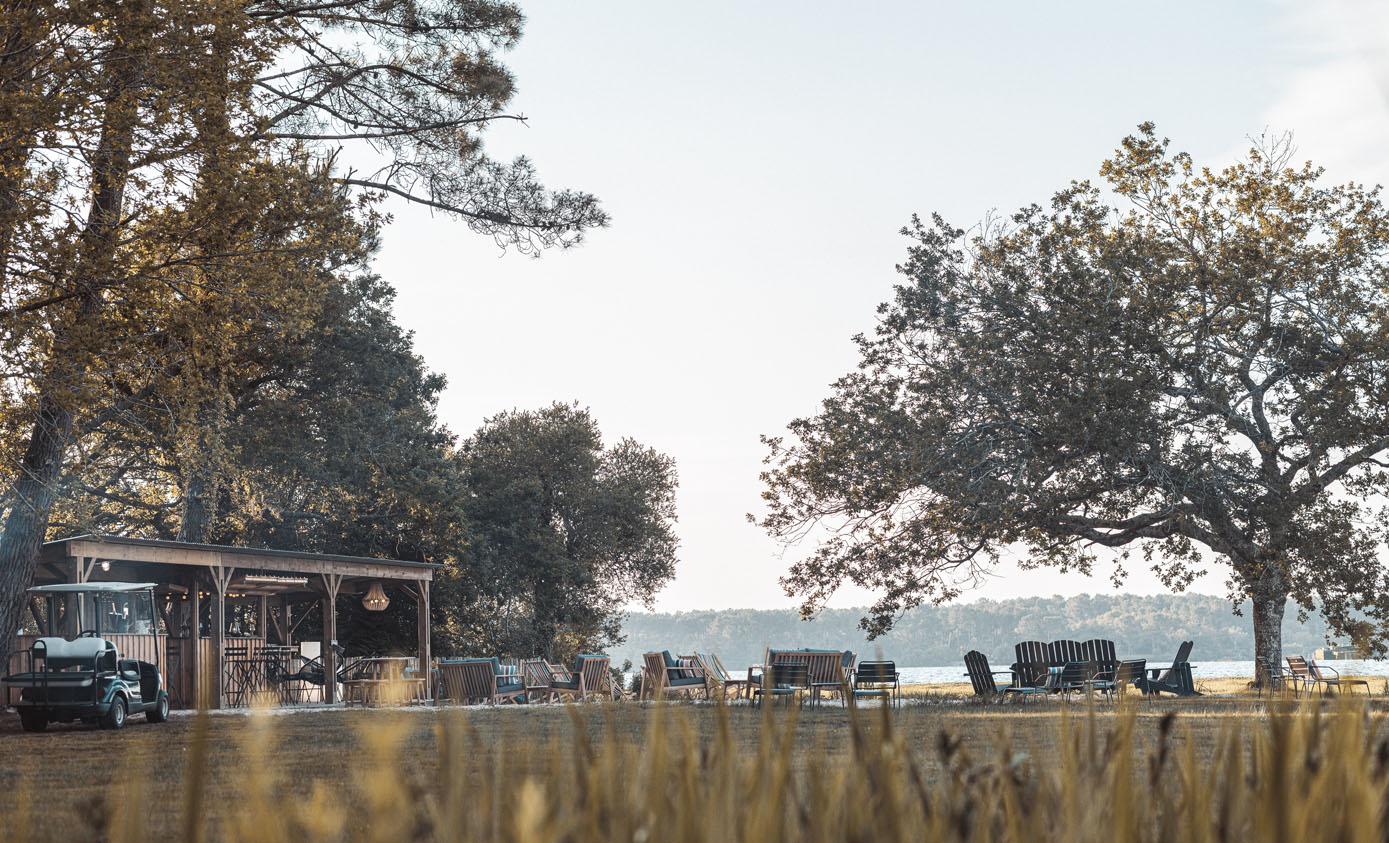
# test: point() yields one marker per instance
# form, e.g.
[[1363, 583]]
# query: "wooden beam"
[[120, 552], [197, 679], [221, 578], [331, 584], [422, 631]]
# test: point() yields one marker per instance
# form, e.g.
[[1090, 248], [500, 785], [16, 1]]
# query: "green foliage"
[[562, 534], [1199, 372]]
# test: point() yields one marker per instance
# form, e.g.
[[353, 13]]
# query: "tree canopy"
[[1193, 364], [563, 533]]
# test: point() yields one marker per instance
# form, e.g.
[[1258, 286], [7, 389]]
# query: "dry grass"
[[1214, 768]]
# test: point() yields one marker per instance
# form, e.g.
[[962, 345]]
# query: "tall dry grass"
[[1293, 775]]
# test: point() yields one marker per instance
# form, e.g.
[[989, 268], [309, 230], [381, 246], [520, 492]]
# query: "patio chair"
[[720, 678], [589, 679], [1115, 683], [986, 687], [480, 681], [1175, 679], [783, 680], [1274, 678], [537, 676], [1300, 674], [830, 673], [1032, 667], [664, 675], [1099, 654], [1074, 677], [1329, 677], [878, 679]]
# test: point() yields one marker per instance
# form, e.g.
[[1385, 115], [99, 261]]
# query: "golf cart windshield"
[[108, 608]]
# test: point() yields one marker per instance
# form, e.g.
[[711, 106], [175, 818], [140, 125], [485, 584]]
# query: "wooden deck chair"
[[719, 677], [590, 678], [666, 676], [986, 687], [1175, 679], [1063, 652], [1329, 677], [1032, 665], [830, 673], [538, 677]]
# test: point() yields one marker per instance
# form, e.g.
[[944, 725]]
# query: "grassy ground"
[[72, 773]]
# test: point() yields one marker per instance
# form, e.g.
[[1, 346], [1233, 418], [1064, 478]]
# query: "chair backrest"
[[1298, 666], [825, 667], [1032, 662], [478, 678], [791, 674], [1184, 652], [536, 673], [977, 666], [713, 667], [875, 673], [1130, 671], [1063, 652], [1098, 650], [655, 664], [594, 670], [1074, 673], [1315, 670]]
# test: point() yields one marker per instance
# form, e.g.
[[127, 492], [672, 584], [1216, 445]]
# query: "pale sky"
[[758, 160]]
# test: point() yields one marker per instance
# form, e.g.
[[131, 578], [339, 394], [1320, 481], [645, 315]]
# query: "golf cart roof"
[[91, 587]]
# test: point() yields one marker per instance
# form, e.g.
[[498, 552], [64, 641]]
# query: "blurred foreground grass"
[[1210, 769]]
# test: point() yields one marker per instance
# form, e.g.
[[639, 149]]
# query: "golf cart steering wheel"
[[87, 633]]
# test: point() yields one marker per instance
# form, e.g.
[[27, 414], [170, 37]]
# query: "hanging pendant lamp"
[[375, 600]]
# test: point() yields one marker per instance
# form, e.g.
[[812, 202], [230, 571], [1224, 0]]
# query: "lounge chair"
[[1175, 679], [720, 678], [986, 687], [479, 681], [1300, 674], [1114, 683], [1329, 677], [664, 675], [878, 679]]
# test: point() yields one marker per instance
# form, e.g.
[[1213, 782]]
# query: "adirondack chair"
[[1099, 653], [1114, 683], [986, 687], [664, 675], [878, 679], [590, 678], [1032, 666], [479, 681], [1175, 679], [1329, 677], [1063, 652], [720, 678]]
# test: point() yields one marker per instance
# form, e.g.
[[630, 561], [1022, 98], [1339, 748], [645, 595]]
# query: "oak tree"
[[1193, 366]]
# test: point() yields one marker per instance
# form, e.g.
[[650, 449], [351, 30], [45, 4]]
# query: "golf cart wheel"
[[33, 721], [160, 712], [114, 718]]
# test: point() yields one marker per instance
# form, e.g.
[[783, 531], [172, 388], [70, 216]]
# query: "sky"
[[758, 161]]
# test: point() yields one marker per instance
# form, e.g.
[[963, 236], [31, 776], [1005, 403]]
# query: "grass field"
[[692, 772]]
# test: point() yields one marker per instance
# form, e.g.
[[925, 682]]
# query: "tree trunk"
[[33, 493], [1269, 599]]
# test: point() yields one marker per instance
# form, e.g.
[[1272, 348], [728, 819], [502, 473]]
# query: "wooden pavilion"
[[268, 592]]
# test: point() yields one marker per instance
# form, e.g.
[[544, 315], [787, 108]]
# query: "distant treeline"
[[1141, 626]]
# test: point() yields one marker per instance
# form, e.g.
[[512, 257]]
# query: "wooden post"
[[222, 578], [422, 631], [195, 662], [287, 632], [331, 584]]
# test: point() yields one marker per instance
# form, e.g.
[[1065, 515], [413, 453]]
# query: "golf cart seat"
[[59, 653]]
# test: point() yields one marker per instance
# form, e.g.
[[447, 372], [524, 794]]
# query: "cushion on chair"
[[673, 671], [571, 684], [684, 681], [509, 687]]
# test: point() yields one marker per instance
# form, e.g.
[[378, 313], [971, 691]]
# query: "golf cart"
[[85, 678]]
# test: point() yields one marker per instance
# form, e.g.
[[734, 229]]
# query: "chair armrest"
[[1321, 667]]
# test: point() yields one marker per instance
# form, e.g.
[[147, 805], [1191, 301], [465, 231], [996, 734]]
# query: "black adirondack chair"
[[1099, 654], [1064, 652], [1173, 680], [986, 687], [1032, 664]]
